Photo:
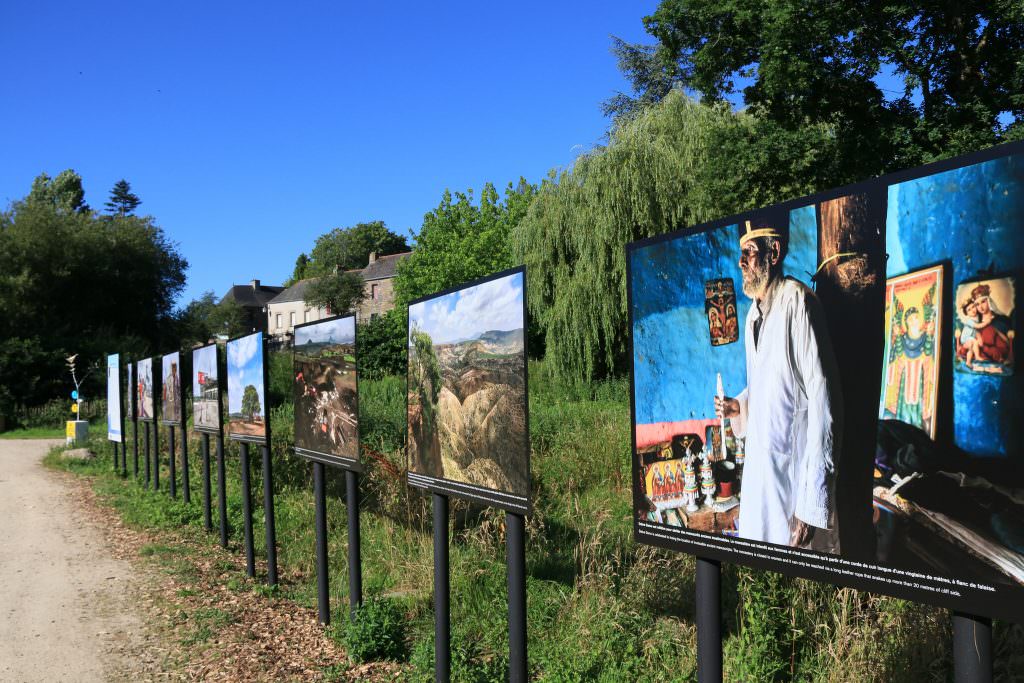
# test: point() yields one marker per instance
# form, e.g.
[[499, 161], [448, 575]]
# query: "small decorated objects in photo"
[[206, 390], [170, 402], [114, 398], [144, 389], [913, 320], [984, 327], [467, 409], [720, 308], [325, 391], [247, 381]]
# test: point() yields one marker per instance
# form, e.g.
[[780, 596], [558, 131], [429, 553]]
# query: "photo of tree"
[[206, 389], [144, 390], [326, 414], [114, 398], [170, 404], [246, 389], [467, 388]]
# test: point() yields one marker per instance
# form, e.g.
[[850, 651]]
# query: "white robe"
[[789, 416]]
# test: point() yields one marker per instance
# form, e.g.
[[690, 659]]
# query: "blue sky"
[[245, 367], [255, 127]]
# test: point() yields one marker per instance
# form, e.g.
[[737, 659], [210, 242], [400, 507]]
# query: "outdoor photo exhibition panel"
[[467, 403], [129, 391], [206, 390], [827, 387], [326, 392], [114, 422], [247, 389], [170, 388], [144, 391]]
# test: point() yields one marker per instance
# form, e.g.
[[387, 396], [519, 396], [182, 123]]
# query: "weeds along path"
[[65, 608]]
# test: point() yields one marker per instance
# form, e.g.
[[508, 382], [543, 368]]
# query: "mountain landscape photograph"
[[467, 387]]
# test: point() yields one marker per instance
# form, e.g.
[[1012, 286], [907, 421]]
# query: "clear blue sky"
[[250, 130]]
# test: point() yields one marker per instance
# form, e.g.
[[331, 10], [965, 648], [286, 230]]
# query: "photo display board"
[[862, 427], [170, 384], [326, 391], [114, 431], [468, 433], [206, 390], [144, 390], [129, 390], [247, 389]]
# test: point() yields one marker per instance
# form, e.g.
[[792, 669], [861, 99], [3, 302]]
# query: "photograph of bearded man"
[[790, 412]]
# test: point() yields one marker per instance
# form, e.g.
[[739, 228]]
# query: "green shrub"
[[376, 632]]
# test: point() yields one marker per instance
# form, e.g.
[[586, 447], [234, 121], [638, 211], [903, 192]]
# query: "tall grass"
[[600, 607]]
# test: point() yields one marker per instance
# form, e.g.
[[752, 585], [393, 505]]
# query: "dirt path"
[[66, 611]]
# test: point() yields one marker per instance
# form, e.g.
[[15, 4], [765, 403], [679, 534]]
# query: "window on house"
[[291, 319], [278, 321], [373, 292], [373, 316], [305, 316]]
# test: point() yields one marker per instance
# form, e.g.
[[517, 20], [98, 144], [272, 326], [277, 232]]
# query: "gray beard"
[[755, 281]]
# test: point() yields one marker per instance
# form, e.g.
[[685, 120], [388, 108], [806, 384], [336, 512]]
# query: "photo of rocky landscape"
[[467, 387], [326, 408]]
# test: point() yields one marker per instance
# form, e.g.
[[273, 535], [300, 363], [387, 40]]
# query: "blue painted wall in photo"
[[971, 218], [675, 364]]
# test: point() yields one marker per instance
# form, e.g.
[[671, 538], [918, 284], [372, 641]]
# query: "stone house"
[[253, 298]]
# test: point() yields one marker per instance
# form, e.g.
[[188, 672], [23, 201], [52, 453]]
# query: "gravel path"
[[66, 611]]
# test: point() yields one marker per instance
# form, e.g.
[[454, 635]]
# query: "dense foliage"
[[348, 249], [75, 282]]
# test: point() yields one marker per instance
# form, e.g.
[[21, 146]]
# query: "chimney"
[[373, 257], [255, 285]]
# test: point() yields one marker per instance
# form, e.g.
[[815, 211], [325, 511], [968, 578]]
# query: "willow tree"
[[678, 163]]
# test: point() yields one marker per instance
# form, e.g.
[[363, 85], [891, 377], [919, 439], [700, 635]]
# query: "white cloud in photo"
[[468, 313], [342, 331], [245, 366]]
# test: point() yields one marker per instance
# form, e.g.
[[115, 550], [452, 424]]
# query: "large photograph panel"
[[144, 390], [114, 398], [206, 390], [325, 390], [129, 391], [170, 384], [467, 412], [247, 403]]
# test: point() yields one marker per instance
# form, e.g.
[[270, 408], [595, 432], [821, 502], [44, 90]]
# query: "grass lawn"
[[34, 433]]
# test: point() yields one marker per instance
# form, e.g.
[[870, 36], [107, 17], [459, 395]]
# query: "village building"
[[289, 308], [253, 298]]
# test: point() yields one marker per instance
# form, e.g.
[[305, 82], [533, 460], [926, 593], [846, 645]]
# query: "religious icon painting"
[[720, 308], [713, 439], [913, 319], [984, 326]]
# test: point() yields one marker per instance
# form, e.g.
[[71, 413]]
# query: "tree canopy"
[[797, 63], [348, 249], [123, 201], [204, 318], [339, 293]]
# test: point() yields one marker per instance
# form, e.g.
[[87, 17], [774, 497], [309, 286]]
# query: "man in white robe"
[[789, 412]]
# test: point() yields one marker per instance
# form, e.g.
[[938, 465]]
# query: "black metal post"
[[972, 648], [186, 489], [250, 559], [355, 567], [222, 496], [124, 454], [515, 542], [145, 451], [170, 450], [156, 456], [207, 516], [323, 596], [442, 613], [268, 517], [709, 621], [135, 449], [114, 443]]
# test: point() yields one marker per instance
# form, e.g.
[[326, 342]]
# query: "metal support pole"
[[124, 454], [250, 559], [170, 450], [207, 516], [186, 488], [442, 614], [709, 621], [145, 451], [515, 526], [323, 596], [972, 648], [135, 449], [114, 443], [222, 496], [268, 517], [355, 567], [156, 456]]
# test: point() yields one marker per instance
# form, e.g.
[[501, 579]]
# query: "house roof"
[[247, 295], [297, 292], [383, 267]]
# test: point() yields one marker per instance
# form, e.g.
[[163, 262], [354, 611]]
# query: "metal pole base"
[[709, 621], [515, 526], [207, 516], [268, 517], [972, 648], [222, 496], [250, 558], [442, 613], [355, 569], [323, 596]]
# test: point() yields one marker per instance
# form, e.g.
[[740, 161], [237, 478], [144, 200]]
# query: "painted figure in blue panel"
[[788, 412]]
